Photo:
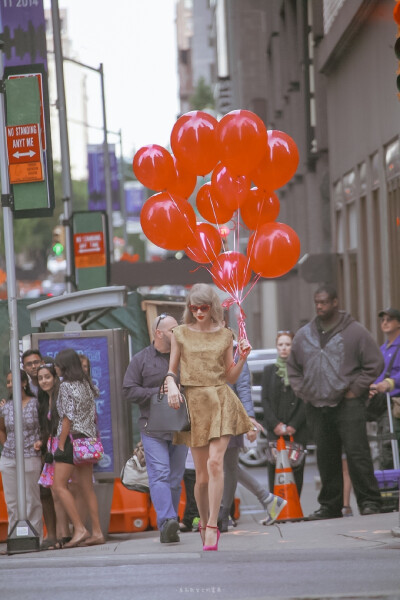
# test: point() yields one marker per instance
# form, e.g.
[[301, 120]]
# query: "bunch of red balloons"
[[238, 151]]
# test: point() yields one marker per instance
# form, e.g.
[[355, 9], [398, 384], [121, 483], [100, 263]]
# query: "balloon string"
[[200, 267], [255, 280], [182, 213], [216, 222], [241, 317], [249, 251]]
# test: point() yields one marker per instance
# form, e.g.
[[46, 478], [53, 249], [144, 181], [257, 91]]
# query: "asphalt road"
[[371, 573]]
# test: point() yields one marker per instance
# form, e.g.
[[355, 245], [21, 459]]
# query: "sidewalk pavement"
[[250, 537]]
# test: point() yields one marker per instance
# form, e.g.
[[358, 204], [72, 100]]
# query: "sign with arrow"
[[24, 153]]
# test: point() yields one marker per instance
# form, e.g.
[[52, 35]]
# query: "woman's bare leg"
[[62, 523], [215, 466], [62, 474], [200, 458], [84, 477]]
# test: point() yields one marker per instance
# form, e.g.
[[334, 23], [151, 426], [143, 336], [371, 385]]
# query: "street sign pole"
[[122, 190], [107, 169], [65, 158], [22, 538]]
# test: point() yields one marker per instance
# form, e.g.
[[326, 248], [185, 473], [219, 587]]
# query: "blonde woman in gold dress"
[[202, 352]]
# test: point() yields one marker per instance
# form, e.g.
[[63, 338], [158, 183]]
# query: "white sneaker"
[[275, 507]]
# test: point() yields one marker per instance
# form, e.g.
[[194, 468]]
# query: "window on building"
[[394, 239], [364, 252], [392, 159], [352, 226], [340, 278], [353, 272], [339, 232], [362, 172], [377, 244], [375, 170]]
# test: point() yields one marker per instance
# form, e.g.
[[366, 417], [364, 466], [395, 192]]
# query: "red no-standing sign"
[[24, 153], [89, 249]]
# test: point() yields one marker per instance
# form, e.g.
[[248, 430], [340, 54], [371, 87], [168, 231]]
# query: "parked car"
[[257, 360]]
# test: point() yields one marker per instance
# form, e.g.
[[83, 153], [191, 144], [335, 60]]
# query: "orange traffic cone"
[[285, 486]]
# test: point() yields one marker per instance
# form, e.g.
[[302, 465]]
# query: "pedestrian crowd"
[[328, 379], [58, 406]]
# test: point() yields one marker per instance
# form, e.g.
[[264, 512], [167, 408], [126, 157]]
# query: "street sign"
[[24, 153], [28, 130], [89, 250], [42, 121]]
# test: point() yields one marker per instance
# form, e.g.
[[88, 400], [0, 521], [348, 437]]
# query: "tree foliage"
[[203, 96], [33, 236]]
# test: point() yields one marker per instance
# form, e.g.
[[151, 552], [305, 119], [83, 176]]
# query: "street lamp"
[[106, 156], [59, 59]]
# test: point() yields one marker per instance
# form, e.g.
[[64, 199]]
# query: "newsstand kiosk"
[[108, 352]]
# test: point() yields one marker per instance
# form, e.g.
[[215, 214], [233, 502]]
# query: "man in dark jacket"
[[332, 364], [165, 462]]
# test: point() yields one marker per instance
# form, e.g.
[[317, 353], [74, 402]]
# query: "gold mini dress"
[[214, 408]]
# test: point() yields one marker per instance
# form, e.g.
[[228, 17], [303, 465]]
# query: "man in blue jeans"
[[165, 462]]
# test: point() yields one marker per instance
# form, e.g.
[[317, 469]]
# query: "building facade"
[[356, 57], [324, 72]]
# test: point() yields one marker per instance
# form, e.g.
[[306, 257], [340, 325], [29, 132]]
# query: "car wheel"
[[255, 457]]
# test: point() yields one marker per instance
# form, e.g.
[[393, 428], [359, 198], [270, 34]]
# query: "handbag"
[[376, 406], [134, 473], [46, 478], [49, 456], [87, 450], [163, 418]]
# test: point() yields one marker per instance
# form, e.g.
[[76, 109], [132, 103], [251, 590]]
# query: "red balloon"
[[154, 167], [260, 207], [273, 250], [184, 182], [279, 164], [194, 142], [242, 140], [168, 221], [231, 191], [207, 244], [231, 272], [210, 208]]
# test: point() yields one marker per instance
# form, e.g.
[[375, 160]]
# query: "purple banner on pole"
[[97, 183], [23, 26], [134, 200]]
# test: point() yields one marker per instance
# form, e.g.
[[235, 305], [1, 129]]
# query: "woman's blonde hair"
[[202, 293]]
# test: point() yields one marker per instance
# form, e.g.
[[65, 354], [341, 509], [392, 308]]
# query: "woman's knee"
[[215, 465], [201, 485]]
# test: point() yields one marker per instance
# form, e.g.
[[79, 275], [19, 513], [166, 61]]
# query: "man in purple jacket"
[[333, 361], [389, 381]]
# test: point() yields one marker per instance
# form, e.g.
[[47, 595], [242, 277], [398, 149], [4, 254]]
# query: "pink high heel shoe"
[[215, 547]]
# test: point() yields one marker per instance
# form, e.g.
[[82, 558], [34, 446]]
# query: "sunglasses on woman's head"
[[202, 308], [160, 318]]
